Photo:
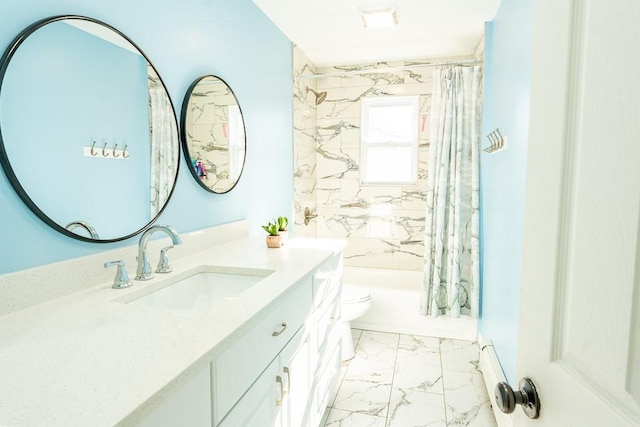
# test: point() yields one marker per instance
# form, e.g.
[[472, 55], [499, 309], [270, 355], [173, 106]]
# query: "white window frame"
[[412, 142]]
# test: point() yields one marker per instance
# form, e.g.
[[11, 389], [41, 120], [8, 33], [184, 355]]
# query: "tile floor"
[[398, 380]]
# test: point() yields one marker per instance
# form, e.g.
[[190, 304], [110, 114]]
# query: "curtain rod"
[[388, 69]]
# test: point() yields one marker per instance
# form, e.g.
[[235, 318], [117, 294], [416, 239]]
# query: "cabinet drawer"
[[238, 367], [327, 278]]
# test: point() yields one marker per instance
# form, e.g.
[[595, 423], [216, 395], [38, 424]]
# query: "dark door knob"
[[526, 396]]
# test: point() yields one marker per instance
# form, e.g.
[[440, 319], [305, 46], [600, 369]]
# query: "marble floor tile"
[[378, 346], [416, 408], [458, 355], [467, 399], [428, 356], [363, 397], [419, 370], [355, 336], [398, 380], [340, 418], [374, 371], [417, 342]]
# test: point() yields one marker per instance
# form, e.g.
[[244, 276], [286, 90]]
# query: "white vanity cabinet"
[[238, 367], [283, 370], [279, 396]]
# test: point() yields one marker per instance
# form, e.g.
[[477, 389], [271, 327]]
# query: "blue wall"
[[508, 55], [184, 40]]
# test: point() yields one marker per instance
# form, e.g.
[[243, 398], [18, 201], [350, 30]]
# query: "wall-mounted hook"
[[496, 141], [106, 153]]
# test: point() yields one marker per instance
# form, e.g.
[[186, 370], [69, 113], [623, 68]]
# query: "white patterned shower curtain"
[[452, 267], [164, 156]]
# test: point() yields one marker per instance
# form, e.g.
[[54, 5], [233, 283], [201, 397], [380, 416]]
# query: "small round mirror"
[[213, 137]]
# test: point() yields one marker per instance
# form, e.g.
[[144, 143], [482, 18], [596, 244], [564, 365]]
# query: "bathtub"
[[395, 301]]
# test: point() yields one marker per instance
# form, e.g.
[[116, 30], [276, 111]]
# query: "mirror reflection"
[[213, 135], [89, 135]]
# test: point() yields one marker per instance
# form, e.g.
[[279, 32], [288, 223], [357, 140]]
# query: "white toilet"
[[355, 302]]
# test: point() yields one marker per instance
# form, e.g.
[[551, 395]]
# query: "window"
[[389, 133]]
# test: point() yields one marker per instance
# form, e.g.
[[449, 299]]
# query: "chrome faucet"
[[85, 225], [144, 268], [163, 262], [121, 280]]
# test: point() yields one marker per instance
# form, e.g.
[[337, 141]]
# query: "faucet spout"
[[144, 271]]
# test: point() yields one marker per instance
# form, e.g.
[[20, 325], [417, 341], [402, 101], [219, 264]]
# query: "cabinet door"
[[238, 367], [188, 406], [296, 372], [261, 406]]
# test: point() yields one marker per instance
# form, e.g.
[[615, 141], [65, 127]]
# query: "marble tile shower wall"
[[304, 143], [383, 225]]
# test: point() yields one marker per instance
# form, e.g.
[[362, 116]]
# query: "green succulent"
[[282, 223], [271, 228]]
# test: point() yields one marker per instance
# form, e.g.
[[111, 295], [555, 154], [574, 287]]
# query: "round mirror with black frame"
[[213, 134], [88, 133]]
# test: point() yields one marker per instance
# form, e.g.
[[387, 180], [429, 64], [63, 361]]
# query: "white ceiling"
[[330, 32]]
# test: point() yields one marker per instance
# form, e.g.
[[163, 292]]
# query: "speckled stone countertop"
[[88, 359]]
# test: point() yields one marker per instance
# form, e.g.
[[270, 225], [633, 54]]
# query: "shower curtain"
[[451, 270], [163, 153]]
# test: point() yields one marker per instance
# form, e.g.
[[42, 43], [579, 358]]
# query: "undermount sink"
[[202, 288]]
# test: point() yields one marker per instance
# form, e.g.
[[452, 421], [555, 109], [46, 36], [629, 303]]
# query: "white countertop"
[[87, 360]]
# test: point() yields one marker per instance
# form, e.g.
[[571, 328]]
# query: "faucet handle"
[[121, 280], [163, 263]]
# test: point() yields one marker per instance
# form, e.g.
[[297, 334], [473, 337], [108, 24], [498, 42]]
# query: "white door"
[[579, 337]]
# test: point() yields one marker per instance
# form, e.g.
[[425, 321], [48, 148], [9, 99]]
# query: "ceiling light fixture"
[[379, 17]]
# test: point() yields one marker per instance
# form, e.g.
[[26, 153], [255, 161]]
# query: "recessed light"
[[379, 17]]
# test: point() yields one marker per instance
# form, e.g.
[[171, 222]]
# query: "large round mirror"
[[213, 138], [88, 134]]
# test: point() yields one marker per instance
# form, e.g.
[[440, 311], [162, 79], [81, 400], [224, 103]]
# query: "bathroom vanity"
[[265, 354]]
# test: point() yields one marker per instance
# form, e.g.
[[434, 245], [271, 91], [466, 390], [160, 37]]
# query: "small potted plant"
[[282, 222], [273, 236]]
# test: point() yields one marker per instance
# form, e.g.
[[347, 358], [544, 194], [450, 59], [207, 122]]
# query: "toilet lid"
[[354, 294]]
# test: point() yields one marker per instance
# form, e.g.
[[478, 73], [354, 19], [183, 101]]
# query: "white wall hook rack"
[[497, 142], [105, 152]]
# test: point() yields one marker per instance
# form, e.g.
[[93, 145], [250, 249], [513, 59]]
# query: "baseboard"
[[493, 374]]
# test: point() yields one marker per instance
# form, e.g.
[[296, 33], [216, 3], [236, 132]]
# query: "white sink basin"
[[203, 288]]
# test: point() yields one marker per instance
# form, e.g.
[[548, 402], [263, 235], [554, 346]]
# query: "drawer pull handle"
[[280, 331], [281, 398], [288, 372]]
